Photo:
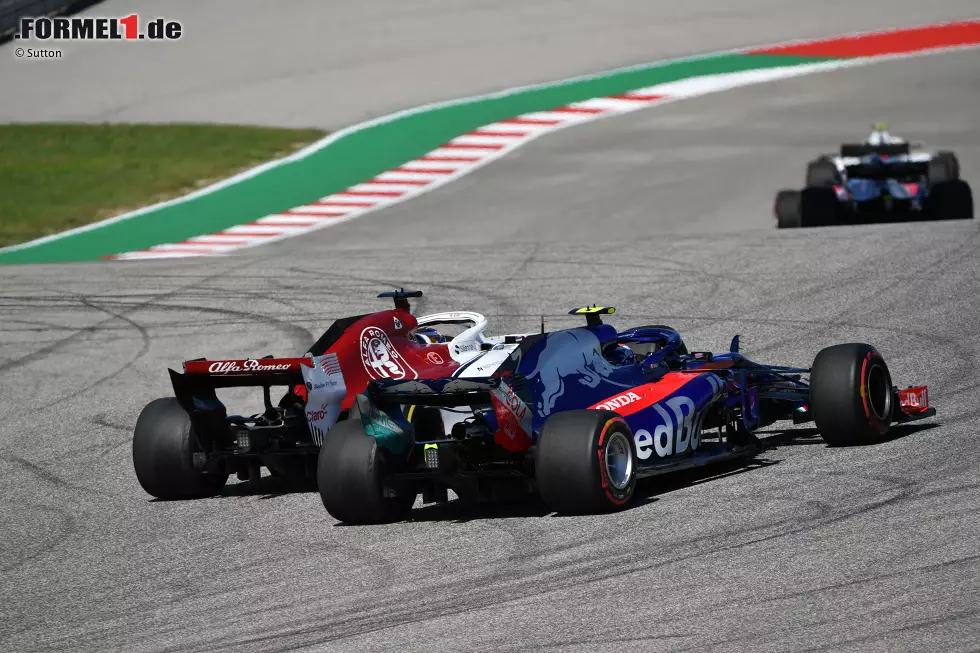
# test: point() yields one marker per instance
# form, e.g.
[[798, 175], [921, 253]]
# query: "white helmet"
[[880, 136]]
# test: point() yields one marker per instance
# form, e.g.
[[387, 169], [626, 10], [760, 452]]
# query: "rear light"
[[300, 391], [432, 456]]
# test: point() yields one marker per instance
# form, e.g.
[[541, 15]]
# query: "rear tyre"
[[953, 163], [851, 395], [788, 209], [951, 200], [822, 173], [819, 207], [163, 446], [350, 476], [943, 167], [586, 462]]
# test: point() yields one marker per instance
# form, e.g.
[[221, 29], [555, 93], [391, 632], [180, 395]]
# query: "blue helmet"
[[620, 355], [428, 336]]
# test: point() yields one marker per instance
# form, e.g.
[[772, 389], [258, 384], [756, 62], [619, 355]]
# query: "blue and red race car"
[[580, 414], [881, 179]]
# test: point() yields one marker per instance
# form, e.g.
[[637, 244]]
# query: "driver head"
[[428, 336], [879, 134]]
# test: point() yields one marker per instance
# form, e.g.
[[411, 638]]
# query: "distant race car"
[[881, 179], [580, 414], [187, 445]]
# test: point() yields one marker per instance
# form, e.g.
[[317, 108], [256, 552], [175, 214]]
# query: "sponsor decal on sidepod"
[[381, 359], [680, 427]]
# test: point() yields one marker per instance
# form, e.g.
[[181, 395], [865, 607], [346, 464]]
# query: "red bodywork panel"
[[643, 396], [377, 346], [915, 400], [246, 366]]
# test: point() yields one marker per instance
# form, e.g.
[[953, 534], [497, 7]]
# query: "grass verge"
[[55, 177]]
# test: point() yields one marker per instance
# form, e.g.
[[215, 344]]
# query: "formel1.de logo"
[[81, 28]]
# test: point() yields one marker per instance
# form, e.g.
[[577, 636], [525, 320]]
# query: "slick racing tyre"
[[851, 395], [819, 207], [954, 163], [950, 200], [942, 168], [163, 446], [350, 476], [586, 462], [822, 173], [788, 209]]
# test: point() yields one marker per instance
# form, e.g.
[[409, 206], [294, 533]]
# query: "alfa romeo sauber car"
[[186, 446], [580, 414], [884, 178]]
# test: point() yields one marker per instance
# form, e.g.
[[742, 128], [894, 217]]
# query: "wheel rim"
[[619, 462], [879, 392]]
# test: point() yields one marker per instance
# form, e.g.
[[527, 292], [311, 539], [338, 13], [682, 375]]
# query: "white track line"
[[472, 150]]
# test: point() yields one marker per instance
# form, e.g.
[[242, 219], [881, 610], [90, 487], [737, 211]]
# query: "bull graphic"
[[567, 354]]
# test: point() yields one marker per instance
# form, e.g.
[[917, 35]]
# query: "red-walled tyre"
[[851, 395], [586, 462]]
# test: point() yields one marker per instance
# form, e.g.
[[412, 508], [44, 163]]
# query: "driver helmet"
[[620, 355], [426, 335], [880, 135]]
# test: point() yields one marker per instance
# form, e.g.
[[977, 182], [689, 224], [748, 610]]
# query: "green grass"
[[57, 176]]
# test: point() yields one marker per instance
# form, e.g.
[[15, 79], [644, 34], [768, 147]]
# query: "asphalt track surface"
[[665, 214], [301, 63]]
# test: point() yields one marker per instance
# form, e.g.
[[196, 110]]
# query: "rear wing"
[[243, 372], [884, 149], [887, 171], [195, 388]]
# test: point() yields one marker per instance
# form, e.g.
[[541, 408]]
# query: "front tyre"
[[586, 462], [951, 163], [350, 475], [823, 173], [163, 447], [851, 395]]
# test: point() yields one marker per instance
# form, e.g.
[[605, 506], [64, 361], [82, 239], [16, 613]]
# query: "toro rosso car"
[[186, 446], [881, 179], [580, 414]]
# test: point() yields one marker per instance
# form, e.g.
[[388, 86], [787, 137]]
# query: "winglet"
[[592, 313], [401, 297], [734, 347]]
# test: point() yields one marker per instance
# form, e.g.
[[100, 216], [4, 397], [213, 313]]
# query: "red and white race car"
[[186, 446]]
